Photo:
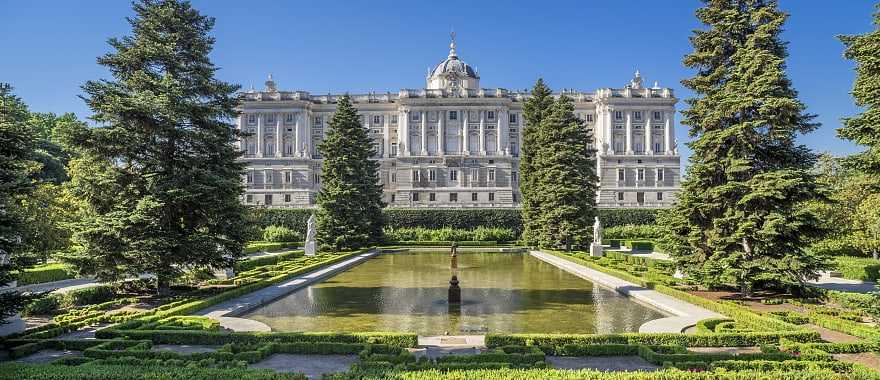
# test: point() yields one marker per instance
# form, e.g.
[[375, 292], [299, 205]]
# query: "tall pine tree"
[[565, 172], [159, 181], [864, 128], [739, 218], [350, 201], [534, 111], [17, 170]]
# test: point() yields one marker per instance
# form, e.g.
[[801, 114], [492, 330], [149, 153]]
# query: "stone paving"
[[684, 314], [184, 348], [48, 356], [313, 366], [825, 281]]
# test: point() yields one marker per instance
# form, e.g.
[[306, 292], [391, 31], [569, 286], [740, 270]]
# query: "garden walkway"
[[684, 314], [825, 281]]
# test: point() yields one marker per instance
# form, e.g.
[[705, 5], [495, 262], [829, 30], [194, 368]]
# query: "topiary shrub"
[[277, 234]]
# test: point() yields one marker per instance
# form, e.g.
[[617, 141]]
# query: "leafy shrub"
[[640, 245], [791, 317], [256, 262], [44, 305], [88, 296], [858, 268], [278, 234], [450, 234]]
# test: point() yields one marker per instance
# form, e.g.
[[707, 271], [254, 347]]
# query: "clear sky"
[[48, 48]]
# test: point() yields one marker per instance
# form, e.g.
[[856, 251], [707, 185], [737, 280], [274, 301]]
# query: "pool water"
[[500, 292]]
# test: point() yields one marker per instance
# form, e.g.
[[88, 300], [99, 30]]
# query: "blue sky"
[[49, 47]]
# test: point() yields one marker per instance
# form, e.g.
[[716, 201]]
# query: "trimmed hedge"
[[18, 371], [249, 264], [858, 268], [468, 219], [450, 234], [640, 245], [558, 341], [52, 302], [633, 231], [260, 246], [44, 273], [129, 331]]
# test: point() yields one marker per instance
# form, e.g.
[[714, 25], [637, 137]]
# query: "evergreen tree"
[[350, 201], [864, 128], [159, 183], [739, 218], [17, 168], [534, 110], [565, 171]]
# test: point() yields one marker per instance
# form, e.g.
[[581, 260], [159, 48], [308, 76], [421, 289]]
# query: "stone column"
[[629, 147], [386, 135], [482, 132], [464, 131], [297, 137], [242, 143], [259, 135], [502, 131], [279, 147], [403, 131], [648, 132], [424, 133], [609, 127], [307, 133], [441, 132], [668, 136]]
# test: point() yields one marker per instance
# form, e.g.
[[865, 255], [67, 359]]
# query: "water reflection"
[[508, 293]]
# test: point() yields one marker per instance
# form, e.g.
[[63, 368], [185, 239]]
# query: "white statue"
[[597, 231], [311, 244]]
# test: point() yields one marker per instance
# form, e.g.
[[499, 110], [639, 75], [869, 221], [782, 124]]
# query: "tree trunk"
[[876, 254], [163, 286], [745, 282]]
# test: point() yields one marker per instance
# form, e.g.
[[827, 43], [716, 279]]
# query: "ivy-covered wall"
[[454, 218]]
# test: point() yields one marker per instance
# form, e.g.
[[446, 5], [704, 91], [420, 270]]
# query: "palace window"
[[416, 116], [491, 197], [270, 118], [490, 115], [316, 178], [393, 176], [249, 177], [415, 197], [393, 150], [473, 197], [659, 174], [453, 197], [377, 119], [392, 198], [514, 177], [288, 178], [491, 174], [252, 119], [288, 119], [659, 196], [270, 148], [432, 116], [620, 196], [621, 174], [393, 119], [267, 199], [287, 198], [658, 115], [589, 118], [432, 175], [432, 197], [453, 115], [416, 175], [637, 115], [641, 175], [475, 175], [656, 147], [319, 121], [249, 198], [453, 175], [618, 115], [512, 118]]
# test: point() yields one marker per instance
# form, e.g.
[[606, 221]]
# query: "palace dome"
[[454, 65]]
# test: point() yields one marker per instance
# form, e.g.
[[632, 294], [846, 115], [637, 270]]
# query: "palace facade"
[[455, 144]]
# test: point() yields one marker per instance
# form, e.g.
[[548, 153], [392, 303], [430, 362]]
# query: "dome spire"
[[452, 45]]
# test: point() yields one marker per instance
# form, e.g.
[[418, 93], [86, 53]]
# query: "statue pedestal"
[[311, 248], [596, 250]]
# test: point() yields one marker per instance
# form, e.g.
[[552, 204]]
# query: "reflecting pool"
[[500, 293]]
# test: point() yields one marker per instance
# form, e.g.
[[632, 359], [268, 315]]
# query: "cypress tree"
[[565, 171], [739, 218], [350, 201], [159, 182], [17, 169], [534, 110], [864, 128]]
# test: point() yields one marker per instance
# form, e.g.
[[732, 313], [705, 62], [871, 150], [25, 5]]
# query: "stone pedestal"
[[311, 248], [454, 291], [596, 250]]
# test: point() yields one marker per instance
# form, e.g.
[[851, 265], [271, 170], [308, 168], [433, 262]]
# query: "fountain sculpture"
[[454, 296]]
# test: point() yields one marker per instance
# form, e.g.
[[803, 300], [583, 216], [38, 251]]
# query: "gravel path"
[[313, 366], [602, 363]]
